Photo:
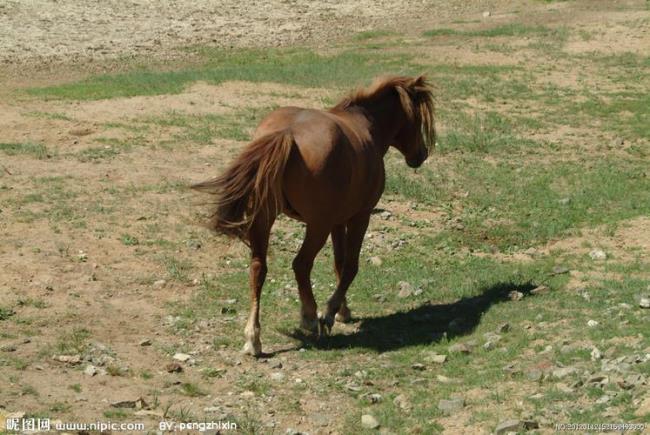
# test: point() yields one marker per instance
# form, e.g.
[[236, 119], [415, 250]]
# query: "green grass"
[[513, 205], [509, 30], [36, 150], [292, 66]]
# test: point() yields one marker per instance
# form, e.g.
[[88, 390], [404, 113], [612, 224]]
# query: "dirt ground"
[[78, 275]]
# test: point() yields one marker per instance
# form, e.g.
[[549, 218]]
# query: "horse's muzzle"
[[418, 160]]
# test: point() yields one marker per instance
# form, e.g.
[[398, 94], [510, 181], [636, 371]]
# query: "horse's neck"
[[384, 122]]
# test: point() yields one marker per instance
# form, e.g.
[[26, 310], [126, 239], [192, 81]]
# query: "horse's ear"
[[420, 80]]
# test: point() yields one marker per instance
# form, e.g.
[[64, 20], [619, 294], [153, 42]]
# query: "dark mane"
[[416, 98]]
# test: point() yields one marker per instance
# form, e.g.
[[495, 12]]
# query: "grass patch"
[[292, 66], [35, 150], [511, 29]]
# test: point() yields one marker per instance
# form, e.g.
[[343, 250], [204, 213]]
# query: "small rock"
[[644, 302], [598, 255], [508, 426], [8, 348], [247, 394], [563, 372], [159, 284], [174, 367], [486, 14], [418, 366], [596, 354], [603, 399], [369, 422], [182, 357], [68, 359], [644, 408], [436, 358], [375, 261], [618, 142], [489, 345], [592, 323], [90, 370], [277, 376], [145, 342], [559, 270], [450, 406], [504, 327], [459, 348], [138, 403], [444, 379], [564, 201], [275, 364], [405, 289], [375, 398], [402, 402], [599, 379], [540, 290], [149, 413], [515, 295]]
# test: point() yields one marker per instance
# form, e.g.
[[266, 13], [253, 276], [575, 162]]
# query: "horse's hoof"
[[253, 349], [325, 326], [309, 325], [343, 316]]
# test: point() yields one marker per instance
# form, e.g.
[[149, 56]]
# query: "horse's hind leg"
[[315, 238], [356, 229], [258, 237], [338, 242]]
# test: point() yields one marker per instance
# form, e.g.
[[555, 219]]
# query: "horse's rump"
[[251, 185]]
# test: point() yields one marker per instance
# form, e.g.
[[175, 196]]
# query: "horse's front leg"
[[315, 238], [355, 231], [259, 242]]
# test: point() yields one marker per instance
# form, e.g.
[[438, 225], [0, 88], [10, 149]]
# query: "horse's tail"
[[251, 185]]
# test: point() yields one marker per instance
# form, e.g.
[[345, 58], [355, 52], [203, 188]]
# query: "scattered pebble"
[[418, 366], [644, 302], [182, 357], [402, 402], [145, 342], [486, 14], [436, 358], [277, 376], [507, 426], [173, 367], [540, 290], [559, 270], [375, 398], [369, 422], [375, 261], [159, 284], [459, 348], [515, 295], [504, 327], [90, 370], [598, 255], [596, 354], [68, 359], [450, 406], [591, 323], [563, 372], [405, 289]]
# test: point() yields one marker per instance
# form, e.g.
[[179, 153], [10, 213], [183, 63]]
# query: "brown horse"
[[326, 169]]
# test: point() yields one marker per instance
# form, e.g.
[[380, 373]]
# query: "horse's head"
[[417, 135]]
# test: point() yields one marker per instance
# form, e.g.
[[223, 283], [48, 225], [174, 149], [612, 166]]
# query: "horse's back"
[[329, 175]]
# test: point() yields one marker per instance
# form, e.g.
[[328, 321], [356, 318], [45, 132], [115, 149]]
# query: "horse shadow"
[[428, 323]]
